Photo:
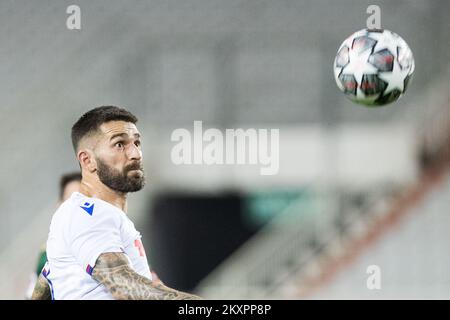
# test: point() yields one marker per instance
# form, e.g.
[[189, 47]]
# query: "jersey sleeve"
[[90, 235]]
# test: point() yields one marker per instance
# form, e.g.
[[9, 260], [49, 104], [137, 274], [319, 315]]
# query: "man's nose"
[[134, 152]]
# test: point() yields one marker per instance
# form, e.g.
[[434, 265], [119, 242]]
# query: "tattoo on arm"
[[114, 272], [41, 289]]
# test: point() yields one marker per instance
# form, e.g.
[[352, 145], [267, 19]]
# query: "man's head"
[[107, 144], [68, 184]]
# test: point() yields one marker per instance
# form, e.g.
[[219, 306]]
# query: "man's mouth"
[[136, 170]]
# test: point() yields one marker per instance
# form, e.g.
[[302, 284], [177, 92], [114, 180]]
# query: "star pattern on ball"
[[384, 41], [394, 79], [359, 65], [378, 63]]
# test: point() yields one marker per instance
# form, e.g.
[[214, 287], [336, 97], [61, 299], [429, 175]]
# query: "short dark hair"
[[93, 119], [66, 179]]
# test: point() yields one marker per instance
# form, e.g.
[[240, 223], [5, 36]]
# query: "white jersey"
[[81, 229]]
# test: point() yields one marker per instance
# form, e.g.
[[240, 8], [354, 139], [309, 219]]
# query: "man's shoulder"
[[85, 210], [79, 203], [79, 206]]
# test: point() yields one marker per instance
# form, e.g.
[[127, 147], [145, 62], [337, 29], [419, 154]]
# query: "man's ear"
[[87, 160]]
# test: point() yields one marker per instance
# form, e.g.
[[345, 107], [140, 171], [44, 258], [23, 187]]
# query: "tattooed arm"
[[41, 289], [113, 271]]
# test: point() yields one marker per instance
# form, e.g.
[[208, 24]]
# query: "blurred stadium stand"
[[262, 64], [323, 252]]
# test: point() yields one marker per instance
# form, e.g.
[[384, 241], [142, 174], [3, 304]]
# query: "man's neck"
[[94, 189]]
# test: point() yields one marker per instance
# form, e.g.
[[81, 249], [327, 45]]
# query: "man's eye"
[[119, 144], [137, 143]]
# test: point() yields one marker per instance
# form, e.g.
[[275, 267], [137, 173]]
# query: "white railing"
[[289, 245], [283, 244]]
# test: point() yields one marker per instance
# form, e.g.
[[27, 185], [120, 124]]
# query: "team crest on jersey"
[[88, 207]]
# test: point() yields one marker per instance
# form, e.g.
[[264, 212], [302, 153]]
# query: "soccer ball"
[[373, 67]]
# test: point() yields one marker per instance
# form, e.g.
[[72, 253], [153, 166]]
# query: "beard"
[[120, 180]]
